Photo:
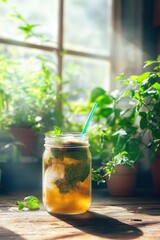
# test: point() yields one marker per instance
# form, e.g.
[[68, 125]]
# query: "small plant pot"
[[122, 182], [155, 169], [26, 136]]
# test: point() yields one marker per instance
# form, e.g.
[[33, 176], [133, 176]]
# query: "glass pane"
[[86, 74], [31, 58], [28, 87], [88, 25], [43, 13]]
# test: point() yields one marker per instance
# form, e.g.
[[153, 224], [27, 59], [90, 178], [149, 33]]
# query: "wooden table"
[[108, 218]]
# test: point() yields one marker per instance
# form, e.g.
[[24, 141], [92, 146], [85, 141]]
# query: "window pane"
[[23, 68], [28, 84], [87, 25], [42, 13], [87, 74], [32, 58]]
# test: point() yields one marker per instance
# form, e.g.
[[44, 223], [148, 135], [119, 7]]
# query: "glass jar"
[[67, 173]]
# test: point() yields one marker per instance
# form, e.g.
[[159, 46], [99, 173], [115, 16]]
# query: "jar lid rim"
[[65, 134]]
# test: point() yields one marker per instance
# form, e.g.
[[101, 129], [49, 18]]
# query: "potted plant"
[[144, 90], [32, 105], [120, 143], [14, 104], [122, 166], [27, 102]]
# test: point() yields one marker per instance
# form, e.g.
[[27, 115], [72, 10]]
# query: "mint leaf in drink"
[[77, 173], [76, 153], [74, 173], [30, 202], [57, 153], [76, 150], [56, 130]]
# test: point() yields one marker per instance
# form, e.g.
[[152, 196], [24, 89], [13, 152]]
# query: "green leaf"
[[28, 28], [143, 77], [30, 202], [119, 159], [77, 173], [137, 95], [149, 62], [56, 130], [96, 92], [20, 205], [143, 114], [149, 93], [104, 99], [97, 175], [133, 78], [157, 68], [156, 86], [126, 93], [105, 112], [117, 112], [143, 123], [120, 77]]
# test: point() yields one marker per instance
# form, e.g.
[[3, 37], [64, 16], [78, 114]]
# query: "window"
[[81, 29]]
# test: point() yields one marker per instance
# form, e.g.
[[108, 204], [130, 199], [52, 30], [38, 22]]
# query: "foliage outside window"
[[68, 41]]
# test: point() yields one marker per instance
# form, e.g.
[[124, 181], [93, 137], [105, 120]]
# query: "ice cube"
[[52, 174]]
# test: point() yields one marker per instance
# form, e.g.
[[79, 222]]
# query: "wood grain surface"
[[107, 218]]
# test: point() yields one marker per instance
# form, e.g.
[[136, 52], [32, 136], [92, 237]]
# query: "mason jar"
[[66, 173]]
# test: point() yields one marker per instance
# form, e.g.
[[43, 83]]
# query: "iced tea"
[[67, 174]]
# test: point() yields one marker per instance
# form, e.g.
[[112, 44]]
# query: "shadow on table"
[[7, 234], [101, 225], [142, 209]]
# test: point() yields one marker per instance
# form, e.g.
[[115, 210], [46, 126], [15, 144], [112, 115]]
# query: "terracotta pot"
[[155, 169], [123, 181], [27, 137]]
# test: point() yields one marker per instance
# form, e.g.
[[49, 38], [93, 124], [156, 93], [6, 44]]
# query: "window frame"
[[115, 26]]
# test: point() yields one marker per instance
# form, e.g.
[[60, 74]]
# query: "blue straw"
[[89, 118]]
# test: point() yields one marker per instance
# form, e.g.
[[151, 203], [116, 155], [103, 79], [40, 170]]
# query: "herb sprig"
[[56, 130], [30, 202]]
